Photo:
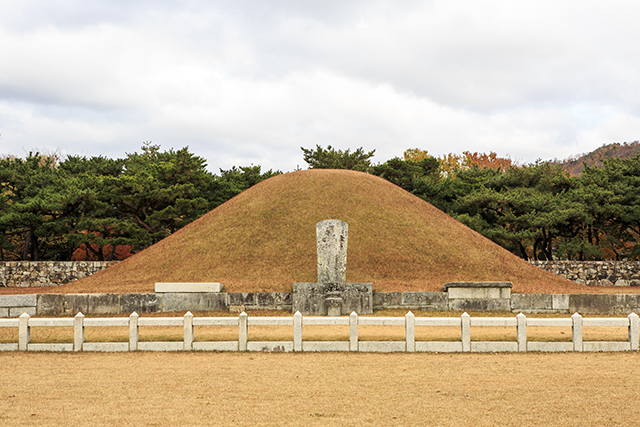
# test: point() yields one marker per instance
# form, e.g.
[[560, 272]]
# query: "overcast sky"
[[243, 82]]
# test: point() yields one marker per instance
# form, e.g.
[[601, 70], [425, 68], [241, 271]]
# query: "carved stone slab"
[[332, 235]]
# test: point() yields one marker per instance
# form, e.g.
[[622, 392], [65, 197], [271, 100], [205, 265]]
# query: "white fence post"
[[243, 331], [297, 331], [134, 335], [634, 331], [78, 331], [576, 332], [188, 331], [522, 332], [353, 332], [24, 333], [466, 332], [410, 332]]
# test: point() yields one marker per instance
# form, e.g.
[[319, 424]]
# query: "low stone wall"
[[24, 274], [15, 305], [617, 304], [427, 301], [71, 304], [595, 273]]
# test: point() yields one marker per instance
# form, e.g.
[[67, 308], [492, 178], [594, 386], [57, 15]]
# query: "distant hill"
[[574, 165]]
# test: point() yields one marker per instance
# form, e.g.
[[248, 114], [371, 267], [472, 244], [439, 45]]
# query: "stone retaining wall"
[[71, 304], [24, 274], [595, 273], [617, 304], [15, 305], [53, 273]]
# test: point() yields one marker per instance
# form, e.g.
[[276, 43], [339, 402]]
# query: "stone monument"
[[332, 295], [332, 238]]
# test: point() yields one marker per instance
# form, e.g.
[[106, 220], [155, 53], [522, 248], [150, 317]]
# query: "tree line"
[[105, 209], [537, 211]]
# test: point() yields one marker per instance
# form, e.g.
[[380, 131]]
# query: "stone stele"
[[332, 235], [331, 295]]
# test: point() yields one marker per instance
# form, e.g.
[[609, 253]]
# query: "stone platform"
[[333, 299], [479, 296]]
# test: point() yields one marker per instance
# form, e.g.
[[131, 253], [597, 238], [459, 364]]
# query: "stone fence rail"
[[595, 273], [24, 274], [25, 323]]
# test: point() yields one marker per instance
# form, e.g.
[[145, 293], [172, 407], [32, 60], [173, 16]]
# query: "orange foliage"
[[83, 253], [90, 253], [451, 163], [491, 160]]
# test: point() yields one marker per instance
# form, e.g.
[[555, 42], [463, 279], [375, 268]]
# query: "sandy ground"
[[200, 389]]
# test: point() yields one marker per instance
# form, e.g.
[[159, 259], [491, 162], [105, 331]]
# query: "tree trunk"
[[27, 246], [535, 248], [35, 250]]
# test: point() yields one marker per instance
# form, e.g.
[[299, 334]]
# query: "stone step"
[[187, 287]]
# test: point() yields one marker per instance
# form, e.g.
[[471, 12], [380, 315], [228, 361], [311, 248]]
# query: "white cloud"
[[250, 81]]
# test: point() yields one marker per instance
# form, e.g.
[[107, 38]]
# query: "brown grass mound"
[[264, 240]]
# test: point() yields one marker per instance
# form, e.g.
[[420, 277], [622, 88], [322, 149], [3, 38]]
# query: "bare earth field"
[[200, 389]]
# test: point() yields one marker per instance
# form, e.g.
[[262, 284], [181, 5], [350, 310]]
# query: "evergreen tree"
[[330, 158]]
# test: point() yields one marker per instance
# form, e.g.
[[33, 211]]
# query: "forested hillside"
[[574, 165]]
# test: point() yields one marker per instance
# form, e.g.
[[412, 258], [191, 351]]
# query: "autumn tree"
[[450, 164], [415, 154], [484, 160]]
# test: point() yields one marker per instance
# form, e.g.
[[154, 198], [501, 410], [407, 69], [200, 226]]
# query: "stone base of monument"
[[479, 296], [332, 299]]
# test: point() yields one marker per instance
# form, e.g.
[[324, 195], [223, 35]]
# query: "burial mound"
[[264, 240]]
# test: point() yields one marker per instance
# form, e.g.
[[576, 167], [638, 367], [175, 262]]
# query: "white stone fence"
[[79, 323]]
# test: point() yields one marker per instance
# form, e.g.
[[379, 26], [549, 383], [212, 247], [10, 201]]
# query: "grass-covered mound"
[[264, 240]]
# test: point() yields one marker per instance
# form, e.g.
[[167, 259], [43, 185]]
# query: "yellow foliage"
[[415, 155], [450, 163]]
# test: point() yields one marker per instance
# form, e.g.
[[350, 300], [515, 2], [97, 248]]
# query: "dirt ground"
[[201, 389]]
